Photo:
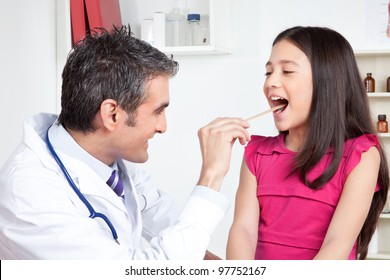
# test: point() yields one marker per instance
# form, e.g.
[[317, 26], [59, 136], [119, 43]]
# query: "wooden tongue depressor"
[[265, 112]]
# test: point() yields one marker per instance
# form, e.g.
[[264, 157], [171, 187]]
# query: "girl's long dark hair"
[[339, 111]]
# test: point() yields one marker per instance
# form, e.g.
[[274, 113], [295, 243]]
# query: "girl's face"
[[289, 81]]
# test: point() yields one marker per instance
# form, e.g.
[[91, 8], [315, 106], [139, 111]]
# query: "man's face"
[[131, 142]]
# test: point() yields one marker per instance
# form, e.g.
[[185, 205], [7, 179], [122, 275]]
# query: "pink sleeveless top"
[[294, 218]]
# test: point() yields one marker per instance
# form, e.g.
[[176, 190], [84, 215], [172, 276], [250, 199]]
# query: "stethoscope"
[[92, 213]]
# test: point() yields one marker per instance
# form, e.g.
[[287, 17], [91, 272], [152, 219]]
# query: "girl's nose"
[[273, 80]]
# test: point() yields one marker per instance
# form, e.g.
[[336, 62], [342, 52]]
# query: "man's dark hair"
[[108, 65]]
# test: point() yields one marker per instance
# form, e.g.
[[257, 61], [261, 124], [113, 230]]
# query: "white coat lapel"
[[90, 184], [131, 202]]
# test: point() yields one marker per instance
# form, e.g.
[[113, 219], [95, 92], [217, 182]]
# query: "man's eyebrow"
[[162, 106]]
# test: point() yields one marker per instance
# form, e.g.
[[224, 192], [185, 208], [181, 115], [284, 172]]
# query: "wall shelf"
[[372, 52], [219, 14], [376, 61], [385, 216], [378, 94], [195, 50], [383, 232], [384, 135], [379, 256]]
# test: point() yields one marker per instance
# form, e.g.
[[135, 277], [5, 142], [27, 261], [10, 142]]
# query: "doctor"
[[73, 189]]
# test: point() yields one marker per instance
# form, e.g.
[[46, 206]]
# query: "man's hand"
[[216, 141]]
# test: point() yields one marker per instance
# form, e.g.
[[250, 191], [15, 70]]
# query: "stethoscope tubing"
[[92, 212]]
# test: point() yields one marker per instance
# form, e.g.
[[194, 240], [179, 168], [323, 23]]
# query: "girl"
[[317, 189]]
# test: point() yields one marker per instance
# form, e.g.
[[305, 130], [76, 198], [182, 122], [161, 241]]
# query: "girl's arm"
[[352, 209], [242, 240]]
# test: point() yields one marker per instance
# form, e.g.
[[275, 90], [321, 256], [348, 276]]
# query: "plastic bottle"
[[175, 34], [382, 125], [369, 83], [193, 30]]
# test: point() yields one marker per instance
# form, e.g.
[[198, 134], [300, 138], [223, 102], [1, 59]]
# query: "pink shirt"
[[294, 218]]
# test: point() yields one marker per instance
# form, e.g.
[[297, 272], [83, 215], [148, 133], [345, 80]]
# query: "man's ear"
[[110, 113]]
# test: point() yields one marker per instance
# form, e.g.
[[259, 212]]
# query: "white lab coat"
[[41, 217]]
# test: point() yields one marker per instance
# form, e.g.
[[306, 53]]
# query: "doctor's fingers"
[[224, 132], [225, 129]]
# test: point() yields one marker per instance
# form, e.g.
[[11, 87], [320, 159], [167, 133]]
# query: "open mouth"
[[276, 100]]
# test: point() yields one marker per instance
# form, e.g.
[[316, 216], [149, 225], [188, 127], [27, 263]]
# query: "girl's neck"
[[294, 140]]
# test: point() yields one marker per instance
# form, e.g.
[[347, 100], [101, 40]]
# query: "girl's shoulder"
[[355, 147], [361, 143], [266, 145], [264, 140]]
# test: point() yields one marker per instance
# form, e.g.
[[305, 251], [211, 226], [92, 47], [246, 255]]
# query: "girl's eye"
[[268, 74], [288, 72]]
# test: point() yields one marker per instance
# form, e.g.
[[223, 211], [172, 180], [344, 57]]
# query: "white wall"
[[206, 86], [27, 67]]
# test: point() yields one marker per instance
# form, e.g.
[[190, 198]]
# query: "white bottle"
[[175, 28], [193, 30]]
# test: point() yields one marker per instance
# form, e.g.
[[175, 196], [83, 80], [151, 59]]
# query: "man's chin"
[[140, 159]]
